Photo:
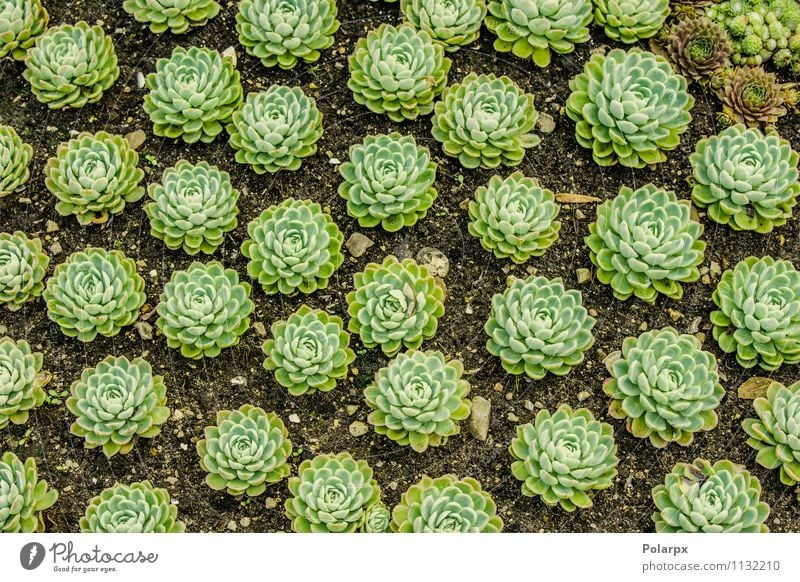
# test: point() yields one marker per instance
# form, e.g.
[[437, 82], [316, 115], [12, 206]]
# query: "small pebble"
[[479, 418], [55, 248], [546, 124], [435, 260], [351, 409], [232, 525], [51, 226], [239, 381], [584, 276], [294, 418], [145, 330], [271, 503], [260, 329], [512, 417], [358, 428], [584, 395], [245, 522], [358, 244]]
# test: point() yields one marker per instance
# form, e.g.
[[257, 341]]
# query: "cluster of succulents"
[[697, 48], [629, 21], [752, 96], [135, 508], [23, 496], [22, 381], [21, 21], [453, 23], [15, 159], [23, 265], [177, 16]]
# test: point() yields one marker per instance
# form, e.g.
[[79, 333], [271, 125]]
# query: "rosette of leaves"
[[629, 21], [759, 313], [94, 176], [446, 504], [485, 121], [15, 159], [23, 496], [453, 23], [665, 386], [22, 381], [177, 16], [394, 304], [644, 242], [514, 217], [331, 493], [537, 326], [21, 21], [276, 129], [70, 66], [629, 107], [419, 399], [398, 71], [204, 310], [116, 403], [193, 94], [308, 352], [697, 48], [23, 265], [699, 497], [94, 292], [534, 29], [135, 508], [376, 519], [752, 96], [193, 207], [745, 179], [245, 451], [283, 33], [389, 180]]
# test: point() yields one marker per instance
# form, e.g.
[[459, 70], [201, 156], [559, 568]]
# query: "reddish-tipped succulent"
[[697, 48], [752, 96]]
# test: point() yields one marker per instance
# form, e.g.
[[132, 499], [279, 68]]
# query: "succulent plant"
[[759, 313], [21, 21], [394, 304], [452, 23], [398, 71], [376, 519], [177, 16], [485, 121], [536, 28], [752, 96], [245, 451], [23, 265], [15, 159], [697, 48], [537, 326], [94, 292], [308, 352], [446, 504], [135, 508], [23, 496], [193, 94], [276, 129], [71, 66], [514, 217], [331, 493], [389, 180], [644, 242], [629, 21], [283, 33], [629, 107], [22, 381], [699, 497], [93, 176], [204, 310]]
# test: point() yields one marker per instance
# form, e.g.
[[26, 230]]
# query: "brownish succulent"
[[697, 48], [752, 96], [689, 8]]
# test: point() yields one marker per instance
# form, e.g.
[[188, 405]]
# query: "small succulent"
[[15, 159], [629, 107], [376, 519], [204, 310], [629, 21], [398, 71], [94, 176], [23, 265], [446, 504], [697, 48], [21, 21], [71, 66], [22, 381], [193, 207], [23, 496], [94, 292], [394, 304], [308, 352], [177, 16], [135, 508], [752, 96], [644, 242], [747, 180], [283, 33], [699, 497], [193, 94], [537, 326], [389, 180], [245, 451], [514, 217], [485, 121], [276, 129], [452, 23]]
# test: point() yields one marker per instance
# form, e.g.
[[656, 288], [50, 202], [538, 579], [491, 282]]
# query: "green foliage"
[[15, 159], [22, 381], [376, 519], [453, 23], [697, 48], [23, 265], [177, 16], [629, 21], [21, 21], [752, 96], [23, 496], [135, 508]]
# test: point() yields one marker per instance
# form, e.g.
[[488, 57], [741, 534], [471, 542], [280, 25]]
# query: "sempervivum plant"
[[15, 159], [308, 352], [22, 381], [631, 20], [644, 242], [70, 66], [246, 450], [537, 326], [446, 504], [23, 265], [759, 313], [93, 176], [699, 497], [276, 129], [398, 71], [23, 496], [485, 121], [394, 304], [177, 16], [564, 457], [665, 386], [21, 21], [389, 180], [419, 399], [204, 310], [376, 519], [453, 23], [752, 96], [193, 94], [745, 179], [629, 107], [697, 48], [94, 292], [135, 508], [514, 217]]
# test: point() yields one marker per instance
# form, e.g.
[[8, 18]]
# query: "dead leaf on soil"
[[570, 198]]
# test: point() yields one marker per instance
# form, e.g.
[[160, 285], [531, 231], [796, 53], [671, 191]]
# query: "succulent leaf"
[[135, 508]]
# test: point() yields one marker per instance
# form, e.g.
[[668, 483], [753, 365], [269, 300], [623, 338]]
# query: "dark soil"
[[198, 389]]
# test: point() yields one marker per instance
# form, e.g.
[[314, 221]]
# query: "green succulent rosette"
[[15, 159], [23, 496], [630, 21], [23, 265], [21, 21], [376, 519], [135, 508], [22, 381], [452, 23], [177, 16]]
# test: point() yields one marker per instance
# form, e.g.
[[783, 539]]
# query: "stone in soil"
[[479, 418]]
